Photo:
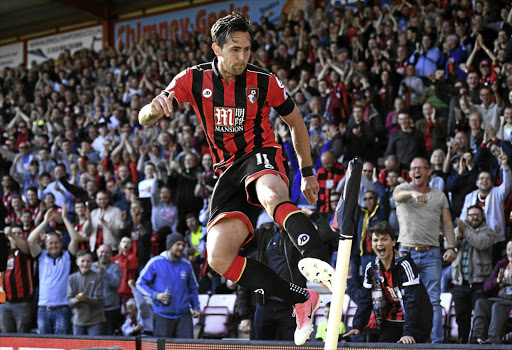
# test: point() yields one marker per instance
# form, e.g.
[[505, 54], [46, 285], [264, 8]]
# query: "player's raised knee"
[[219, 262]]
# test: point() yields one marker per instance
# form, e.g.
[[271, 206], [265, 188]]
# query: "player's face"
[[235, 54], [383, 245]]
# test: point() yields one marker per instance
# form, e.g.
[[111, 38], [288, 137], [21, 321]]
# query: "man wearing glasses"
[[421, 210], [472, 266]]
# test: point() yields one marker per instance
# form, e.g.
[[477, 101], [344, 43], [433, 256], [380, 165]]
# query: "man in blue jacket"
[[170, 281]]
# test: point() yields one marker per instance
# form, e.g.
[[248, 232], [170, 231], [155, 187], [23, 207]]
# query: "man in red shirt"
[[328, 176], [232, 100]]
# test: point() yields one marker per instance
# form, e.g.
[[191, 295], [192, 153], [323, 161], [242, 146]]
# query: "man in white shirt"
[[489, 110]]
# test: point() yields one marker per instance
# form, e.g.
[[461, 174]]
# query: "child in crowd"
[[392, 288], [321, 331], [85, 297]]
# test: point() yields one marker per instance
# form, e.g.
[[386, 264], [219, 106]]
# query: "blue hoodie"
[[160, 273]]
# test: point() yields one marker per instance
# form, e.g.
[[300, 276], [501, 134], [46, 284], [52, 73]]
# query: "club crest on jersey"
[[229, 119], [252, 94]]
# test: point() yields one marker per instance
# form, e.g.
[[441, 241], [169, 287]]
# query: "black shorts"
[[234, 195]]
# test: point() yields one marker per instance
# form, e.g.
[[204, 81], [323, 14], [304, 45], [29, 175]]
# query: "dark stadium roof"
[[22, 17]]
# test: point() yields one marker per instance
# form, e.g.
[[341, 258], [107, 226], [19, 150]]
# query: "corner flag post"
[[345, 218]]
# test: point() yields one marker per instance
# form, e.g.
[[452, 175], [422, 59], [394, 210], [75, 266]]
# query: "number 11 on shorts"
[[263, 158]]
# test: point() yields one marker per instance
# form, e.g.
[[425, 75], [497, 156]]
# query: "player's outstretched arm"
[[160, 106]]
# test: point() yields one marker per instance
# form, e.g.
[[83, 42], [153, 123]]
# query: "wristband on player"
[[307, 171]]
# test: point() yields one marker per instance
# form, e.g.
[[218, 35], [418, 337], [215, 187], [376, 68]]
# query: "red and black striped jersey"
[[19, 282], [395, 313], [328, 181], [79, 228], [235, 116]]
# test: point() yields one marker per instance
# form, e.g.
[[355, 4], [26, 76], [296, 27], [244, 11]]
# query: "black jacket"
[[418, 311]]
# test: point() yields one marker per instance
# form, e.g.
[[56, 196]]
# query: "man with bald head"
[[367, 183], [112, 274], [328, 176]]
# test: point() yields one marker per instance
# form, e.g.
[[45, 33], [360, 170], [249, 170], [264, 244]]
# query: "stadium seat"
[[446, 302], [215, 322], [203, 302], [346, 303], [226, 300], [446, 305], [319, 316], [349, 315], [325, 298]]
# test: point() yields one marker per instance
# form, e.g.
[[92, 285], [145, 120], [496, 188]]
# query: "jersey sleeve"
[[368, 276], [181, 84], [409, 273], [278, 97], [411, 302]]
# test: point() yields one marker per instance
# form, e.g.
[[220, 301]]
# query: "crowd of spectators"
[[387, 82]]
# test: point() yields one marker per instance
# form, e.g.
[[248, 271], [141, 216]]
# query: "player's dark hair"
[[383, 228], [225, 27]]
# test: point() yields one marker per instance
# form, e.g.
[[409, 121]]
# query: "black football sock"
[[302, 232], [262, 279]]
